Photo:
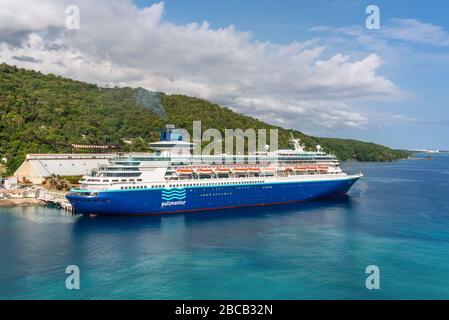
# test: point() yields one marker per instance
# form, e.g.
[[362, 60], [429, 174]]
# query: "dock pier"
[[52, 197]]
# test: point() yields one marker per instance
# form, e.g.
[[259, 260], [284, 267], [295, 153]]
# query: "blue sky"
[[306, 65], [287, 21]]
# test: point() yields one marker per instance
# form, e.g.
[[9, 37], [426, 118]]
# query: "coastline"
[[21, 202]]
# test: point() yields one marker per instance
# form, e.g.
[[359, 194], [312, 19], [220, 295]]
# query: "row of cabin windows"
[[215, 194], [178, 185], [250, 158], [113, 180], [122, 174], [282, 160], [191, 185], [121, 169], [127, 163], [133, 187], [213, 184]]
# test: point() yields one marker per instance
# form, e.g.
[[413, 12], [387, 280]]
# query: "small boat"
[[204, 171], [240, 170], [223, 170], [267, 171], [184, 171], [253, 170], [323, 168]]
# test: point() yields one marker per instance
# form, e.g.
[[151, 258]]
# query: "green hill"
[[46, 113]]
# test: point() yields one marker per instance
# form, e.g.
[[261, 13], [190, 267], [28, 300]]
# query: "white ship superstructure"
[[172, 166]]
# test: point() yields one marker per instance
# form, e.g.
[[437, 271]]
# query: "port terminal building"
[[37, 167]]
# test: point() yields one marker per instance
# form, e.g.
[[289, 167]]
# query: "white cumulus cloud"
[[293, 85]]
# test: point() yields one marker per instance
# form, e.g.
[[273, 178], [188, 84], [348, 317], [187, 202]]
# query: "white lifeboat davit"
[[267, 171]]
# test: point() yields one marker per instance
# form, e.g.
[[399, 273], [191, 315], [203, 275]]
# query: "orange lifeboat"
[[240, 170], [323, 168], [184, 171], [223, 170], [205, 171], [254, 170]]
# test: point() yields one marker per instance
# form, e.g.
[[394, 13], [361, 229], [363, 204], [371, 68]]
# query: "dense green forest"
[[46, 113]]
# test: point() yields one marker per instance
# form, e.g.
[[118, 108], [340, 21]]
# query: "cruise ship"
[[172, 179]]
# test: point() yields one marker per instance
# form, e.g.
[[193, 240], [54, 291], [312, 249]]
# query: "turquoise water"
[[396, 217]]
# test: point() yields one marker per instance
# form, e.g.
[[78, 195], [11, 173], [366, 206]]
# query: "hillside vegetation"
[[46, 113]]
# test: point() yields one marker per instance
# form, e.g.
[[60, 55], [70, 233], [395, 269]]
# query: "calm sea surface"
[[396, 217]]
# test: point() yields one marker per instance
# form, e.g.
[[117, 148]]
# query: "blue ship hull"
[[173, 200]]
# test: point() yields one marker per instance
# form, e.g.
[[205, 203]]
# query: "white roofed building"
[[37, 167]]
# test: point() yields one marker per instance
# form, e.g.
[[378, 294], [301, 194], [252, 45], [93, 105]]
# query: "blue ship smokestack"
[[170, 133]]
